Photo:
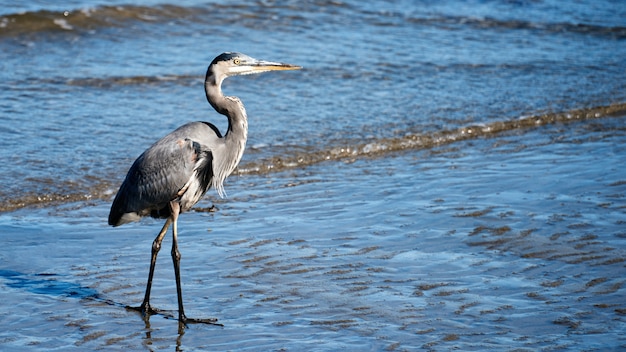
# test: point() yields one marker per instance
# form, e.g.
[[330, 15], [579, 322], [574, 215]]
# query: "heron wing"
[[178, 162]]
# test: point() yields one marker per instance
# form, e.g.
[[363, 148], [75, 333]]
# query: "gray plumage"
[[182, 160], [172, 175]]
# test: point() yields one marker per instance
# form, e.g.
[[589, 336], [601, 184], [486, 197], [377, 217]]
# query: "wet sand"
[[512, 242]]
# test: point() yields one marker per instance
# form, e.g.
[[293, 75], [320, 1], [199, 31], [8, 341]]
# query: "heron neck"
[[237, 122], [237, 133], [213, 91], [231, 107]]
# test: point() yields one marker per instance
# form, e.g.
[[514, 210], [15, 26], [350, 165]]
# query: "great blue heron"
[[173, 174]]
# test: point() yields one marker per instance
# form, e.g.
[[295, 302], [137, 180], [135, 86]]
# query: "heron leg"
[[156, 246], [182, 319], [175, 207]]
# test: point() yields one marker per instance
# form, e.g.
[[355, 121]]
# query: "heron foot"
[[209, 321], [144, 309], [183, 322]]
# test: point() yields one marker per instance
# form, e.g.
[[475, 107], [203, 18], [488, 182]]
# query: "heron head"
[[235, 64]]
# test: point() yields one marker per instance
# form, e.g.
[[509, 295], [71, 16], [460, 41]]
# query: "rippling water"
[[437, 176]]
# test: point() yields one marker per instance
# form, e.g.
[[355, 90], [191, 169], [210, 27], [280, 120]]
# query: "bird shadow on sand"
[[49, 284]]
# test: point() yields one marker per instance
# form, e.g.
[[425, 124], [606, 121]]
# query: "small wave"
[[425, 141], [131, 80], [103, 189], [91, 19], [85, 20], [252, 15], [86, 193], [617, 32], [35, 84]]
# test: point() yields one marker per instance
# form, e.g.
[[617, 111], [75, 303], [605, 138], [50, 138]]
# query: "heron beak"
[[264, 66], [258, 66], [250, 65]]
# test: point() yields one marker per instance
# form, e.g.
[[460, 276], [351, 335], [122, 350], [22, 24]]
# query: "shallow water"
[[463, 189], [520, 245]]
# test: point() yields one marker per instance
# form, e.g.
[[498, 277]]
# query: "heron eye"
[[236, 61]]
